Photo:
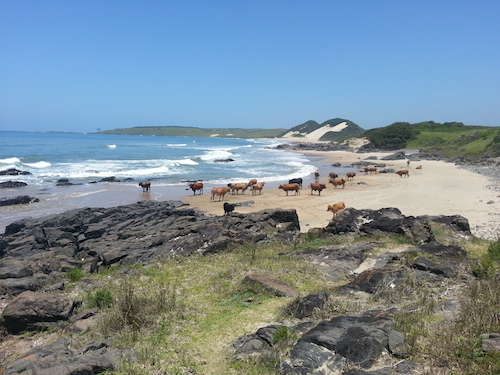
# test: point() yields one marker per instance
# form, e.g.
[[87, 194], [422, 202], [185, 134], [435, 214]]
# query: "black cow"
[[228, 207], [295, 181]]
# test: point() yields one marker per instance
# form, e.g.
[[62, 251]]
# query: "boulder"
[[12, 184], [32, 310], [13, 172], [20, 199], [271, 284]]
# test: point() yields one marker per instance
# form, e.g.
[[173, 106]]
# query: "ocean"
[[168, 162]]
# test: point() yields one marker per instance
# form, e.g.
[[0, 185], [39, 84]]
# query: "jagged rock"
[[13, 172], [12, 184], [92, 238], [306, 306], [31, 310], [58, 359], [370, 281], [384, 220], [400, 155], [223, 160], [359, 340], [20, 199], [271, 284]]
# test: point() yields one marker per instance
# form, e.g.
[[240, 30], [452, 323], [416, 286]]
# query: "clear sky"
[[79, 65]]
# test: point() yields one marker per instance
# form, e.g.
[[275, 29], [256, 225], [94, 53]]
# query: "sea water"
[[84, 158]]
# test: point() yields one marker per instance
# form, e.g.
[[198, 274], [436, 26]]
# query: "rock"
[[12, 184], [223, 160], [58, 359], [31, 310], [400, 155], [20, 199], [13, 172], [271, 284], [491, 343], [306, 306], [359, 340]]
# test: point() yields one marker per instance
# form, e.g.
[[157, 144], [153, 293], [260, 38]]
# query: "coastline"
[[439, 188]]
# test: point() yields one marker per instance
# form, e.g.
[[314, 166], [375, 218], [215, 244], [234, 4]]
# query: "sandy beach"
[[439, 188]]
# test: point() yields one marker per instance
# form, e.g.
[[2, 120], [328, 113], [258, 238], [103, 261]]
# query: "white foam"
[[13, 160], [176, 145], [187, 162], [40, 164], [111, 146]]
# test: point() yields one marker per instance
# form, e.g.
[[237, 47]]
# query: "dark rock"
[[58, 359], [12, 184], [13, 172], [110, 179], [20, 199], [30, 310], [306, 306], [491, 343], [400, 155], [65, 182], [359, 340], [223, 160]]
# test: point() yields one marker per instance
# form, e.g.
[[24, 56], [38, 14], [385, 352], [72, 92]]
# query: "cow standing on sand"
[[350, 175], [317, 187], [219, 192], [338, 182], [257, 188], [146, 186], [290, 187], [403, 172], [196, 186]]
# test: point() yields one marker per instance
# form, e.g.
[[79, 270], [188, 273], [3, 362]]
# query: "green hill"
[[185, 131], [448, 139]]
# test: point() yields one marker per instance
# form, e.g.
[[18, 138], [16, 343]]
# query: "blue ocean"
[[84, 158]]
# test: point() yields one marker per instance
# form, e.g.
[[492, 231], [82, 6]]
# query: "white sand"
[[439, 188]]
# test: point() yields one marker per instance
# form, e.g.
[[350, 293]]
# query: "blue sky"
[[75, 65]]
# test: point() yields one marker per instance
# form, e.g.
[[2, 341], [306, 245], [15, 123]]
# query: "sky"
[[83, 65]]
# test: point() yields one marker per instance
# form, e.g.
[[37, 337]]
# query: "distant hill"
[[185, 131]]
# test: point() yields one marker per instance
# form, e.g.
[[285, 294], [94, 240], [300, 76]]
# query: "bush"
[[74, 274], [101, 298]]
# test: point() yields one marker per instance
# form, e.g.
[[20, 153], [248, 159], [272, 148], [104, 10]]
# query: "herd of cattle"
[[294, 185]]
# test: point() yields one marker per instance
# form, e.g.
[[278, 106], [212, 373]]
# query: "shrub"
[[100, 298], [74, 274]]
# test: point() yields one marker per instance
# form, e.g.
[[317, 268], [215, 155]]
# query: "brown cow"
[[350, 175], [236, 187], [371, 169], [403, 172], [317, 187], [419, 167], [196, 186], [220, 192], [253, 181], [338, 182], [290, 187], [146, 185], [333, 175], [335, 208], [257, 188]]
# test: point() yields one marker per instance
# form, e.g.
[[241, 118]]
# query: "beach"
[[438, 188]]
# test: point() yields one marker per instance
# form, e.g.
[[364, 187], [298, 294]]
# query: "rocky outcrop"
[[143, 232], [58, 358], [31, 310], [20, 199], [12, 184], [390, 220], [14, 172]]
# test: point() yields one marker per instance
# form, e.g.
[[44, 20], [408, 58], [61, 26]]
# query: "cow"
[[316, 176], [419, 167], [228, 207], [403, 172], [371, 169], [236, 187], [253, 181], [220, 192], [196, 186], [317, 187], [350, 175], [257, 188], [290, 187], [338, 182], [333, 175], [146, 185], [295, 181], [335, 208]]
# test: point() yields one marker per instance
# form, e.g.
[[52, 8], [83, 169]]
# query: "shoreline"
[[439, 188]]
